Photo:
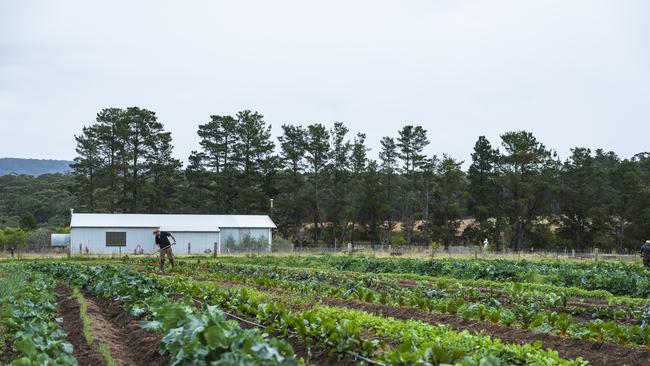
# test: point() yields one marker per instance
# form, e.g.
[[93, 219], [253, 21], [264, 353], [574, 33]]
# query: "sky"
[[573, 72]]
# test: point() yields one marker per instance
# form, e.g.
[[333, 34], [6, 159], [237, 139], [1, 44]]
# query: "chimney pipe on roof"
[[71, 211]]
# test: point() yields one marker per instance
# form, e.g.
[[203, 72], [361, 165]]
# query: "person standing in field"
[[645, 252], [162, 241]]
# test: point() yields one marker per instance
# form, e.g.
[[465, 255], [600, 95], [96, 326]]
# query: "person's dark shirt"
[[645, 250], [163, 239]]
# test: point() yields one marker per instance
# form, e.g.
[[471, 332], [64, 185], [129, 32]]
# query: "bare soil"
[[7, 354], [598, 354], [72, 324], [129, 344]]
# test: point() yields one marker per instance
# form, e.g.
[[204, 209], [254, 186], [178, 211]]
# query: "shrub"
[[280, 244]]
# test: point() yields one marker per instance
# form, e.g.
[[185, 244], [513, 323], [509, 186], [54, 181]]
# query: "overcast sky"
[[575, 73]]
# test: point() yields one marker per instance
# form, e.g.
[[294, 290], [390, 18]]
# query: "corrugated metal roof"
[[168, 220], [190, 229]]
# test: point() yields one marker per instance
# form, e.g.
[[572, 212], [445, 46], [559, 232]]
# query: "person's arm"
[[170, 234]]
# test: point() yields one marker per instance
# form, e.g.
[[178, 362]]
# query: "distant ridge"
[[33, 166]]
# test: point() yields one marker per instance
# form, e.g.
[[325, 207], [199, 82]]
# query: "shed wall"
[[95, 239]]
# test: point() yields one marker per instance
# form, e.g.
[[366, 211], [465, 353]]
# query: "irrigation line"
[[353, 354]]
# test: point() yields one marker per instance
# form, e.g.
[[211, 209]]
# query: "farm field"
[[323, 310]]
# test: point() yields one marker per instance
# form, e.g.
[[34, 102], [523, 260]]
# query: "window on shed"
[[115, 239]]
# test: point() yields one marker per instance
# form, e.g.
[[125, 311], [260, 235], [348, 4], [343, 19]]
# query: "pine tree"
[[88, 163], [411, 143], [483, 191], [388, 157], [529, 183], [292, 146], [317, 150], [338, 209]]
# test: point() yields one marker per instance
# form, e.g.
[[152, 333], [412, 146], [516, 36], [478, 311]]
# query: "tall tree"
[[218, 140], [372, 207], [528, 180], [358, 164], [87, 163], [388, 157], [483, 191], [292, 147], [338, 213], [254, 157], [411, 143], [144, 132], [111, 131], [214, 169], [163, 175], [450, 197], [581, 189], [317, 150]]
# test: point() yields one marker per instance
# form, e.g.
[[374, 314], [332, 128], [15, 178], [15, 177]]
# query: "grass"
[[106, 353], [87, 332], [83, 313]]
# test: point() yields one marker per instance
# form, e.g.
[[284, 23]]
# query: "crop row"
[[28, 308], [390, 341], [191, 335], [547, 312], [353, 329], [619, 278]]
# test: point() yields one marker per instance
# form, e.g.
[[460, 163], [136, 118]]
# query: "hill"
[[33, 167]]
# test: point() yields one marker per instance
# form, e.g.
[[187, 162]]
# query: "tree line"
[[326, 187]]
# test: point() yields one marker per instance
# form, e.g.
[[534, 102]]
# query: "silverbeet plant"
[[208, 338], [28, 314]]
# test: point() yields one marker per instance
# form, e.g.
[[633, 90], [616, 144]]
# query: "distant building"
[[113, 233], [60, 240]]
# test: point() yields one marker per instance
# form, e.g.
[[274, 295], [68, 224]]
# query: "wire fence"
[[469, 252]]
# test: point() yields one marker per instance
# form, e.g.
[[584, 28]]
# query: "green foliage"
[[528, 306], [28, 222], [13, 237], [192, 336], [28, 308], [282, 245]]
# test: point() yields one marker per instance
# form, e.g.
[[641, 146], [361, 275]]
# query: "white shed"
[[113, 233]]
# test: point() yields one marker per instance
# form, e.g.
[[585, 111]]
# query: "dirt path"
[[129, 344], [598, 354], [72, 324]]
